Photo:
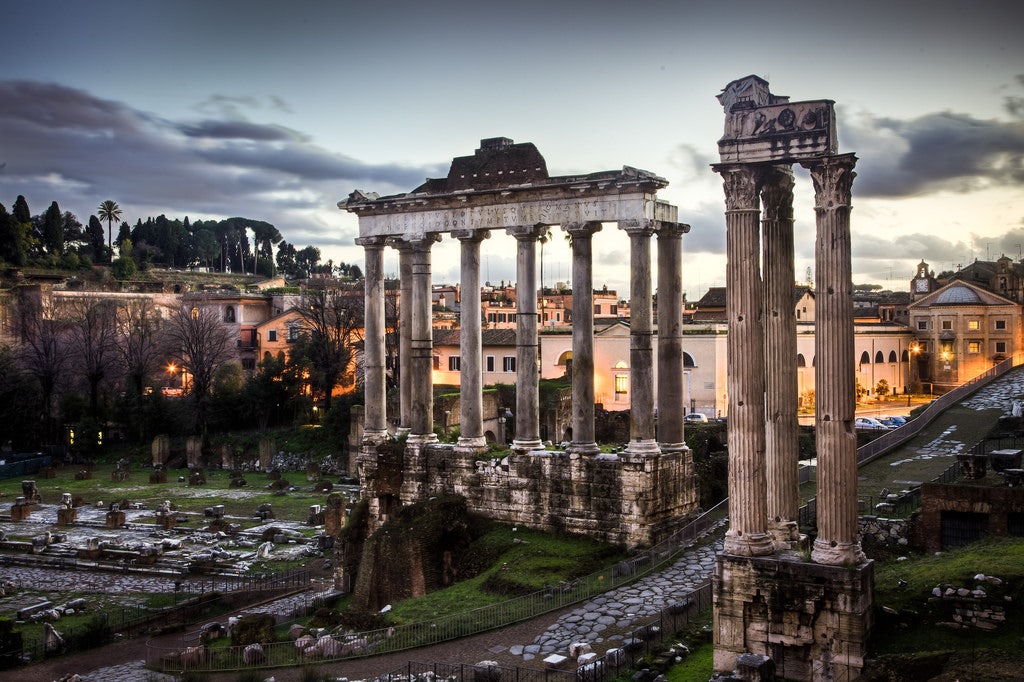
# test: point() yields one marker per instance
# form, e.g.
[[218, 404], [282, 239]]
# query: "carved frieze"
[[779, 132]]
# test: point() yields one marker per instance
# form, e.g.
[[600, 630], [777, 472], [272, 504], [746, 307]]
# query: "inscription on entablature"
[[779, 133]]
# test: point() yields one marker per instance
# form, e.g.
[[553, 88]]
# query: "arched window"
[[905, 357], [688, 360], [800, 362], [865, 359], [565, 358], [879, 358], [892, 356], [229, 314]]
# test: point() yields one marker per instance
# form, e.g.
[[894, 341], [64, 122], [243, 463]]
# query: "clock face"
[[921, 285]]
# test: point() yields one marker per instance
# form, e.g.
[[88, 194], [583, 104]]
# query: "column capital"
[[638, 226], [425, 242], [668, 230], [471, 235], [741, 182], [833, 180], [527, 233], [582, 229], [777, 192], [371, 242]]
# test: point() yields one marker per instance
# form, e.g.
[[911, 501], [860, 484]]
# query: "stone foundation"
[[622, 499], [812, 620]]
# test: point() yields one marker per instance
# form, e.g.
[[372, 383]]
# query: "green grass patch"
[[697, 667]]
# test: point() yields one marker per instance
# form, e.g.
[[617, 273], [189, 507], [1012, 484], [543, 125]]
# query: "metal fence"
[[409, 636]]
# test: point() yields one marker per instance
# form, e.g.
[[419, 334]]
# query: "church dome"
[[958, 295]]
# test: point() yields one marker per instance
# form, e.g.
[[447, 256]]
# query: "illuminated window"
[[973, 347], [621, 384], [973, 325]]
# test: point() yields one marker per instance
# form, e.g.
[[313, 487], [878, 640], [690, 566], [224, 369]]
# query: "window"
[[492, 317], [1000, 346], [1000, 324], [437, 362], [621, 384], [597, 308], [973, 346], [249, 364], [454, 363], [615, 310], [508, 363], [947, 325], [229, 314], [973, 325], [272, 335], [489, 363], [922, 324], [293, 333]]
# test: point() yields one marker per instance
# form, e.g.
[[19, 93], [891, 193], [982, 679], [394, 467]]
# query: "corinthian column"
[[670, 336], [781, 427], [641, 360], [835, 391], [583, 439], [748, 511], [527, 361], [421, 361], [375, 427], [471, 429]]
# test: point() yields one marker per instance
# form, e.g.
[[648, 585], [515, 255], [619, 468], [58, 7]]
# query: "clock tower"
[[923, 283]]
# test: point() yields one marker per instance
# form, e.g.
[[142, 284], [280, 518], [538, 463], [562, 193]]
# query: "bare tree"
[[42, 351], [195, 337], [92, 330], [137, 343], [331, 329]]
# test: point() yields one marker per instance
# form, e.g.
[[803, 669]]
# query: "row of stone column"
[[416, 351], [761, 385]]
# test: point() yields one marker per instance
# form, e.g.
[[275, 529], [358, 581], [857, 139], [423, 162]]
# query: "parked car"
[[869, 423], [696, 417], [894, 422]]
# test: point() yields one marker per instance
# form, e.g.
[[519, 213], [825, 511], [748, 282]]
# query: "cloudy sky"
[[276, 111]]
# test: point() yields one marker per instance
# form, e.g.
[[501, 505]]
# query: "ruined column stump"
[[812, 620], [161, 450], [194, 452], [115, 518], [67, 516], [20, 510], [266, 448]]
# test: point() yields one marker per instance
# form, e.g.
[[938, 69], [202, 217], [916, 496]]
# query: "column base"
[[374, 437], [402, 431], [578, 448], [471, 442], [668, 448], [837, 553], [526, 445], [643, 448], [422, 438], [749, 544], [786, 534]]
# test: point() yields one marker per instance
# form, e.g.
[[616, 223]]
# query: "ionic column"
[[782, 452], [527, 435], [471, 427], [670, 336], [835, 391], [421, 351], [375, 427], [748, 511], [404, 334], [641, 361], [583, 439]]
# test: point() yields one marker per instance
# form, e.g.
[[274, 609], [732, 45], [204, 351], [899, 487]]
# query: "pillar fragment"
[[583, 432], [641, 359], [835, 392], [747, 535], [527, 416], [782, 450], [404, 334], [471, 429]]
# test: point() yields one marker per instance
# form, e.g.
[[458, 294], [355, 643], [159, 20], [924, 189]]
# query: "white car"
[[870, 423], [696, 417]]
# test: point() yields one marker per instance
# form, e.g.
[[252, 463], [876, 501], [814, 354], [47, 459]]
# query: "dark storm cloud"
[[65, 144], [939, 151]]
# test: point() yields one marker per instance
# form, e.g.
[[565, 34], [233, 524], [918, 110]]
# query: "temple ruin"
[[810, 618], [632, 497]]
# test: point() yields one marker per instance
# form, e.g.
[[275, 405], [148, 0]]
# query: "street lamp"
[[171, 369], [914, 350]]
